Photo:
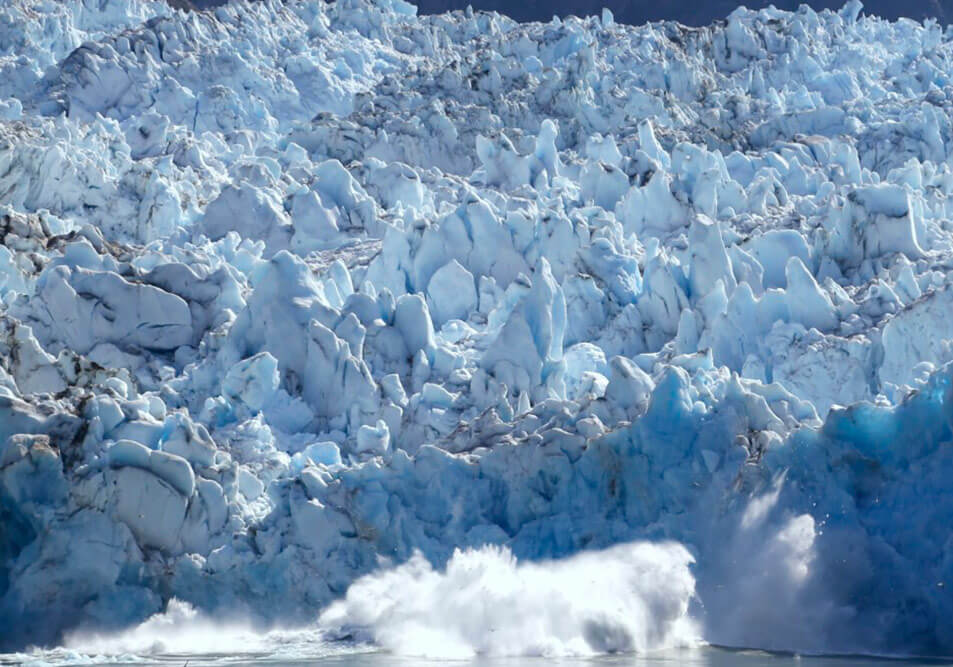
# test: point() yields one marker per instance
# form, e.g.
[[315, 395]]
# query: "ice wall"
[[287, 287]]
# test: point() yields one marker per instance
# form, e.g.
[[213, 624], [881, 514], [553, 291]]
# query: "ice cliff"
[[290, 287]]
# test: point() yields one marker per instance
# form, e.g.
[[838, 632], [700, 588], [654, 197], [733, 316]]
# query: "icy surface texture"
[[289, 287]]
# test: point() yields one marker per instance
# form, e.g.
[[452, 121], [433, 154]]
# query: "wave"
[[181, 632]]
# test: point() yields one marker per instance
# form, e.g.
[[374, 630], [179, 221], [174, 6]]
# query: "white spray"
[[632, 597]]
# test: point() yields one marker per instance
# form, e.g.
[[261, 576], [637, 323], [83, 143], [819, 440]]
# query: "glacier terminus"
[[463, 336]]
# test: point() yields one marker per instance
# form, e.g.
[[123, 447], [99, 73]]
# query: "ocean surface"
[[331, 655]]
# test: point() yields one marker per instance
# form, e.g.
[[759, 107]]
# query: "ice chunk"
[[876, 220], [603, 148], [773, 249], [452, 293], [172, 469], [586, 370], [501, 164], [83, 309], [253, 381], [324, 453], [651, 209], [629, 386], [412, 319], [153, 510], [394, 389], [373, 439], [314, 225], [250, 212], [807, 302], [709, 262], [128, 453]]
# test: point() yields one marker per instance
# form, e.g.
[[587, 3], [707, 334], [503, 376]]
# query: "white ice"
[[287, 288]]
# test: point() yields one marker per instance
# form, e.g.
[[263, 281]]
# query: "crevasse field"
[[459, 336]]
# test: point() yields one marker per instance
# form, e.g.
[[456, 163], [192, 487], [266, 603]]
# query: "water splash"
[[632, 597], [184, 633]]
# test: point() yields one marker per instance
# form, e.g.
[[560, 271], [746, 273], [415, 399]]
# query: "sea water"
[[342, 655]]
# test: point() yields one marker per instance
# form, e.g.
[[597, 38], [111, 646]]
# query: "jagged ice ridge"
[[290, 287]]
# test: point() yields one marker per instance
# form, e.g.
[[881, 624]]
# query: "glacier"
[[303, 303]]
